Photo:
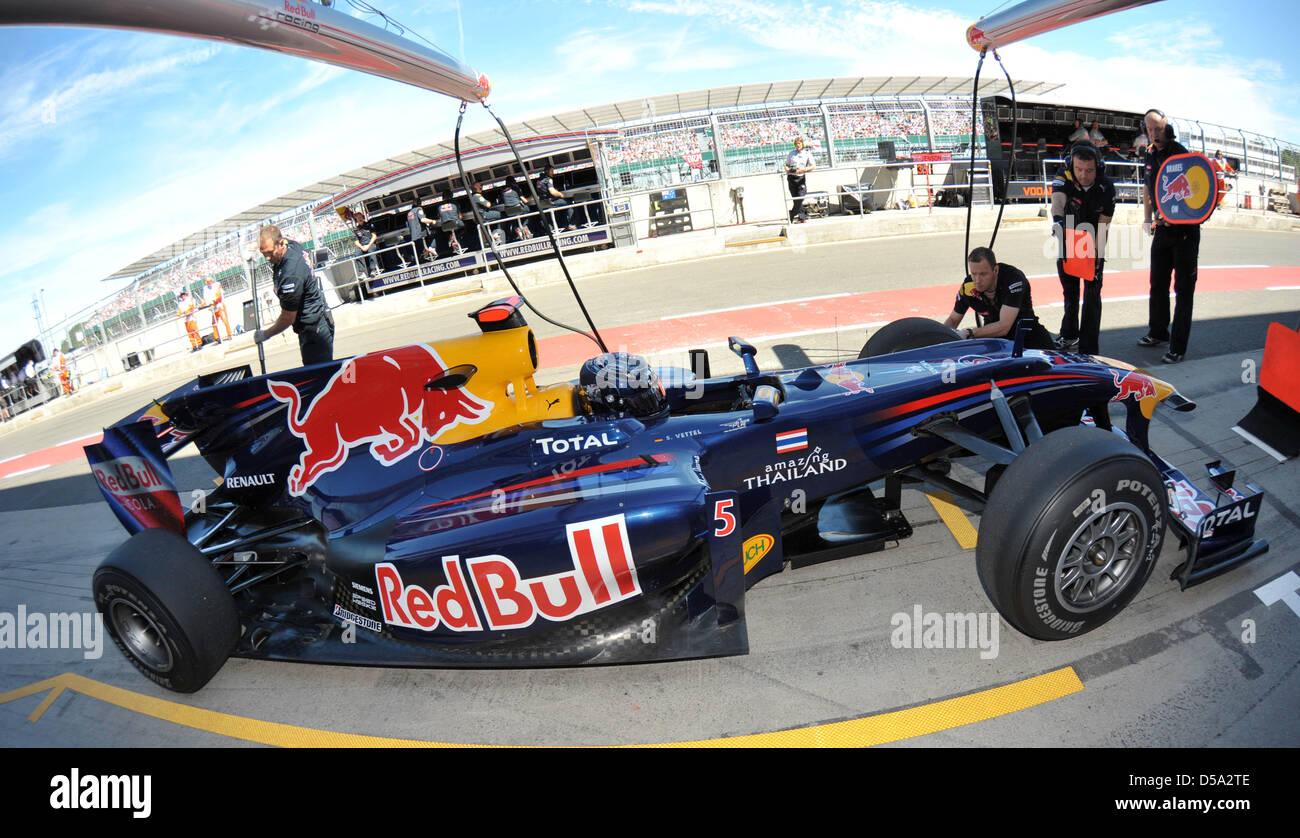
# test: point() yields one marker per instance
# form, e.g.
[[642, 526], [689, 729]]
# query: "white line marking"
[[70, 441], [755, 305], [24, 471], [1283, 288], [10, 459], [1261, 444], [1220, 267]]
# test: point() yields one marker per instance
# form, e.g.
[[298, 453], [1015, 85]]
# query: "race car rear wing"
[[131, 470]]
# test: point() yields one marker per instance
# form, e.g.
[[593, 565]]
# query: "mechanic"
[[302, 305], [1083, 202], [515, 204], [449, 223], [552, 197], [416, 221], [998, 291], [367, 242], [487, 213], [1174, 249], [797, 165]]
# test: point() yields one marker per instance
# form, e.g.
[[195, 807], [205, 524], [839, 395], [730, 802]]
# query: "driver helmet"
[[622, 384]]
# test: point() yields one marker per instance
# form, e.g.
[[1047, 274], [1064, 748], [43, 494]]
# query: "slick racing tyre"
[[167, 609], [1071, 532], [908, 333]]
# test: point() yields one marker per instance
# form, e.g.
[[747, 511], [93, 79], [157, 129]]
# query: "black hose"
[[478, 219], [1011, 162]]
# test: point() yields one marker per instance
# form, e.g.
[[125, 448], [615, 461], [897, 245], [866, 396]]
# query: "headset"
[[1086, 151], [1170, 134]]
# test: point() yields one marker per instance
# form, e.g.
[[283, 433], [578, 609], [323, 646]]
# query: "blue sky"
[[113, 144]]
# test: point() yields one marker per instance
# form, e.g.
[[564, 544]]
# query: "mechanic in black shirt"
[[302, 305], [1083, 200], [367, 241], [1174, 249], [552, 197], [999, 294]]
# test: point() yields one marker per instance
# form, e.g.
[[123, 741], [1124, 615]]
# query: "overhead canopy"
[[599, 117], [479, 158]]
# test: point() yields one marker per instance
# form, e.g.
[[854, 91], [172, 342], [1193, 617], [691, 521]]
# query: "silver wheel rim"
[[141, 635], [1101, 558]]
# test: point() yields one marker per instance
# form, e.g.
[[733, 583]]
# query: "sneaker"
[[1148, 340], [1067, 344], [1172, 357]]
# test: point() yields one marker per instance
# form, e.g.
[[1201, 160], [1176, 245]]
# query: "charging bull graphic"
[[382, 399], [1185, 190], [1178, 189], [1137, 386]]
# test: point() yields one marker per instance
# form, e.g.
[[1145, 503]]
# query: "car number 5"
[[726, 520]]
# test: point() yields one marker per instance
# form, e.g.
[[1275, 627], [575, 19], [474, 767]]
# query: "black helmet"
[[622, 384]]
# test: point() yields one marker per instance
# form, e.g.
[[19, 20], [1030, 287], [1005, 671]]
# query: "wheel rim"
[[1101, 558], [141, 635]]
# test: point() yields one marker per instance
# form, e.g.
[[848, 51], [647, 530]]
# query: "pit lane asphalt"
[[1173, 669]]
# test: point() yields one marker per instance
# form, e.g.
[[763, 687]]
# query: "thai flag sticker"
[[792, 441]]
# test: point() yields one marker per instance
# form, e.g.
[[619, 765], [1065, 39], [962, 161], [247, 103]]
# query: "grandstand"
[[629, 157]]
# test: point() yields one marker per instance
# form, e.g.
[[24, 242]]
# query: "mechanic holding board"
[[302, 305], [1000, 294], [1083, 201]]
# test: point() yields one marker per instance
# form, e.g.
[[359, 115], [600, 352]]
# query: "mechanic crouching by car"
[[999, 294], [302, 305]]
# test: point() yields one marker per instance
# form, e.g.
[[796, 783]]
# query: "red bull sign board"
[[1185, 190]]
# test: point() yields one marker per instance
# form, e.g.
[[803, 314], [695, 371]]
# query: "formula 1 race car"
[[432, 505]]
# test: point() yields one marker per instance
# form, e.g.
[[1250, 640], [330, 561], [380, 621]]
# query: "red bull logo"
[[1178, 189], [1185, 189], [381, 399], [841, 376], [1132, 385]]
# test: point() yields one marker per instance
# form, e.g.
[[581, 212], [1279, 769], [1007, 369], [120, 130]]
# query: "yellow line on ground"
[[857, 733], [916, 721], [960, 526], [755, 241]]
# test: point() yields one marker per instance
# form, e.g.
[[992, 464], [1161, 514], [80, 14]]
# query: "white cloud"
[[873, 38]]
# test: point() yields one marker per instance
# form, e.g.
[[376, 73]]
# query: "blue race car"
[[433, 506]]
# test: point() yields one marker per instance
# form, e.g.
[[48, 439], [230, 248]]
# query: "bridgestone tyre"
[[908, 333], [167, 609], [1071, 532]]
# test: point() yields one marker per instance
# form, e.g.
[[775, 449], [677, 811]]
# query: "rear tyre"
[[167, 609], [1071, 532], [908, 333]]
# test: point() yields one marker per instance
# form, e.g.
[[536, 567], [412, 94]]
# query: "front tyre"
[[1071, 532], [167, 609]]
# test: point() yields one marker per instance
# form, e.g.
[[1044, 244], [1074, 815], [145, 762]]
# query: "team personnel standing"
[[1221, 168], [797, 165], [185, 310], [1000, 294], [1083, 202], [302, 305], [212, 295], [1174, 249]]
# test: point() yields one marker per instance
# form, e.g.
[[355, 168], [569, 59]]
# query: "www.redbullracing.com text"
[[25, 629]]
